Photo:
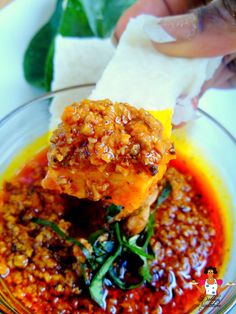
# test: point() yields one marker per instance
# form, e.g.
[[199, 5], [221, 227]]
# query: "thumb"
[[205, 32]]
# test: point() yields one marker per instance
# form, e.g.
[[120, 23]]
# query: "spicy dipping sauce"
[[43, 271]]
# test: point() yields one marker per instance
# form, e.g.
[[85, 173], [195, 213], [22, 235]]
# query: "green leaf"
[[145, 270], [73, 23], [81, 18], [112, 211], [149, 230], [96, 286], [104, 14], [93, 236], [85, 273], [74, 20], [62, 234], [121, 284], [36, 53], [131, 243], [118, 233], [133, 240], [112, 12], [49, 67], [103, 248], [137, 250], [164, 194], [117, 280], [86, 18]]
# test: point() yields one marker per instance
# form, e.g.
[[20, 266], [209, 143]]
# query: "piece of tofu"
[[108, 151]]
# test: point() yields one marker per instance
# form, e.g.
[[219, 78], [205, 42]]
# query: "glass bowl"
[[204, 141]]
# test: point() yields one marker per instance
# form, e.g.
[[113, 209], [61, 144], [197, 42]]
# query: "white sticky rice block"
[[141, 76], [77, 61]]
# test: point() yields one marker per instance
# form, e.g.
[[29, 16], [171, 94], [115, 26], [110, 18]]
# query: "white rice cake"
[[77, 61]]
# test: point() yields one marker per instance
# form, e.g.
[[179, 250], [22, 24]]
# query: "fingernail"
[[171, 29]]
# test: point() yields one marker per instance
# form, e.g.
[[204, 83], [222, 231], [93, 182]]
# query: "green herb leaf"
[[132, 245], [151, 221], [112, 211], [96, 286], [93, 236], [118, 233], [149, 230], [145, 271], [36, 53], [101, 248], [137, 250], [62, 234], [164, 194], [121, 284], [85, 273]]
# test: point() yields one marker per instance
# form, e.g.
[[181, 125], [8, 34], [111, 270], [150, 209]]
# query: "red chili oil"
[[189, 235]]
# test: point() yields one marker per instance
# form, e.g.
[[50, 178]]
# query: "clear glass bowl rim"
[[50, 94], [70, 88]]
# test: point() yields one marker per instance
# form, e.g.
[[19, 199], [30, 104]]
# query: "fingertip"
[[133, 11], [205, 32], [121, 25], [140, 7]]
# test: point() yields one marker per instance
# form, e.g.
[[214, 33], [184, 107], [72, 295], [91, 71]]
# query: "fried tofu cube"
[[107, 151]]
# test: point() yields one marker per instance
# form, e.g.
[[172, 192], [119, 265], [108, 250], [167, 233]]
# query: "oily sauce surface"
[[45, 270]]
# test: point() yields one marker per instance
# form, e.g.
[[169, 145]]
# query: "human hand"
[[231, 284], [198, 30], [194, 283]]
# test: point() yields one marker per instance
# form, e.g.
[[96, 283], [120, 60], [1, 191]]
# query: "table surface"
[[15, 33]]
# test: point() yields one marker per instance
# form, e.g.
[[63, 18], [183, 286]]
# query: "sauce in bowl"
[[44, 270]]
